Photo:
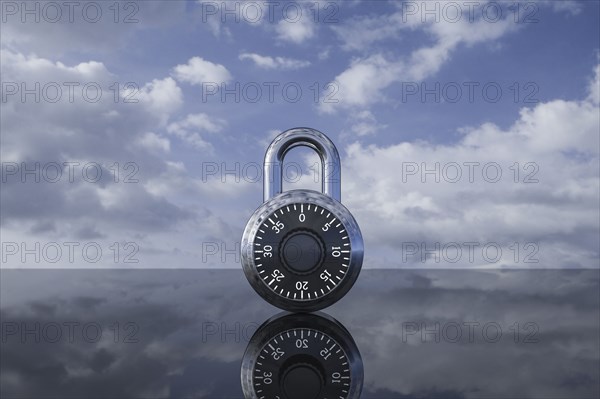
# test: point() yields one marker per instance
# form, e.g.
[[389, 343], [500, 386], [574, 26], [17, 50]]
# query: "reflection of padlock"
[[302, 250], [302, 355]]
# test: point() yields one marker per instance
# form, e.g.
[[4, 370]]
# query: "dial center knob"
[[302, 381], [302, 252]]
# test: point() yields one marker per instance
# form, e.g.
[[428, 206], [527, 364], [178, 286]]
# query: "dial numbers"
[[301, 251], [305, 359]]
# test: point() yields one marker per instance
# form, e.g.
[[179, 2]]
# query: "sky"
[[132, 133]]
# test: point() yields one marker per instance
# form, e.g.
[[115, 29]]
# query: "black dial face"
[[301, 363], [301, 251]]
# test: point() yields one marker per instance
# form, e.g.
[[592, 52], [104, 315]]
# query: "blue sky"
[[371, 54]]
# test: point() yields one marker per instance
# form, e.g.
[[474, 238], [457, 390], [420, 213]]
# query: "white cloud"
[[363, 82], [268, 62], [191, 128], [198, 71], [594, 88], [216, 15], [18, 66], [573, 7], [162, 96], [73, 32], [265, 140], [65, 116], [324, 54], [212, 19], [359, 33], [120, 137], [154, 142], [297, 31], [560, 212], [364, 123], [199, 121]]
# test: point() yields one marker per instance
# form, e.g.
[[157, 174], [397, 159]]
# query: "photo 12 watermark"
[[69, 332], [212, 331], [253, 172], [69, 92], [471, 332], [410, 252], [472, 252], [526, 172], [70, 172], [269, 92], [69, 12], [256, 12], [469, 92], [68, 252], [411, 332], [460, 11], [470, 172]]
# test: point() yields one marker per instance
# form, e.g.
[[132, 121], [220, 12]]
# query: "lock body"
[[302, 250]]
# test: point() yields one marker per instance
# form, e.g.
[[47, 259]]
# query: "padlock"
[[302, 250]]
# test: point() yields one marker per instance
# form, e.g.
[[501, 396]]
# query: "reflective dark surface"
[[302, 356], [182, 333]]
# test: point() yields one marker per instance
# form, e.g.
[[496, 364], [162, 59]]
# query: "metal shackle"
[[302, 136]]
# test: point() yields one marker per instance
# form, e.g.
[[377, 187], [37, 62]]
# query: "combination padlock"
[[302, 250]]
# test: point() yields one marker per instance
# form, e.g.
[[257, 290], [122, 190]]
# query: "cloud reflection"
[[182, 333]]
